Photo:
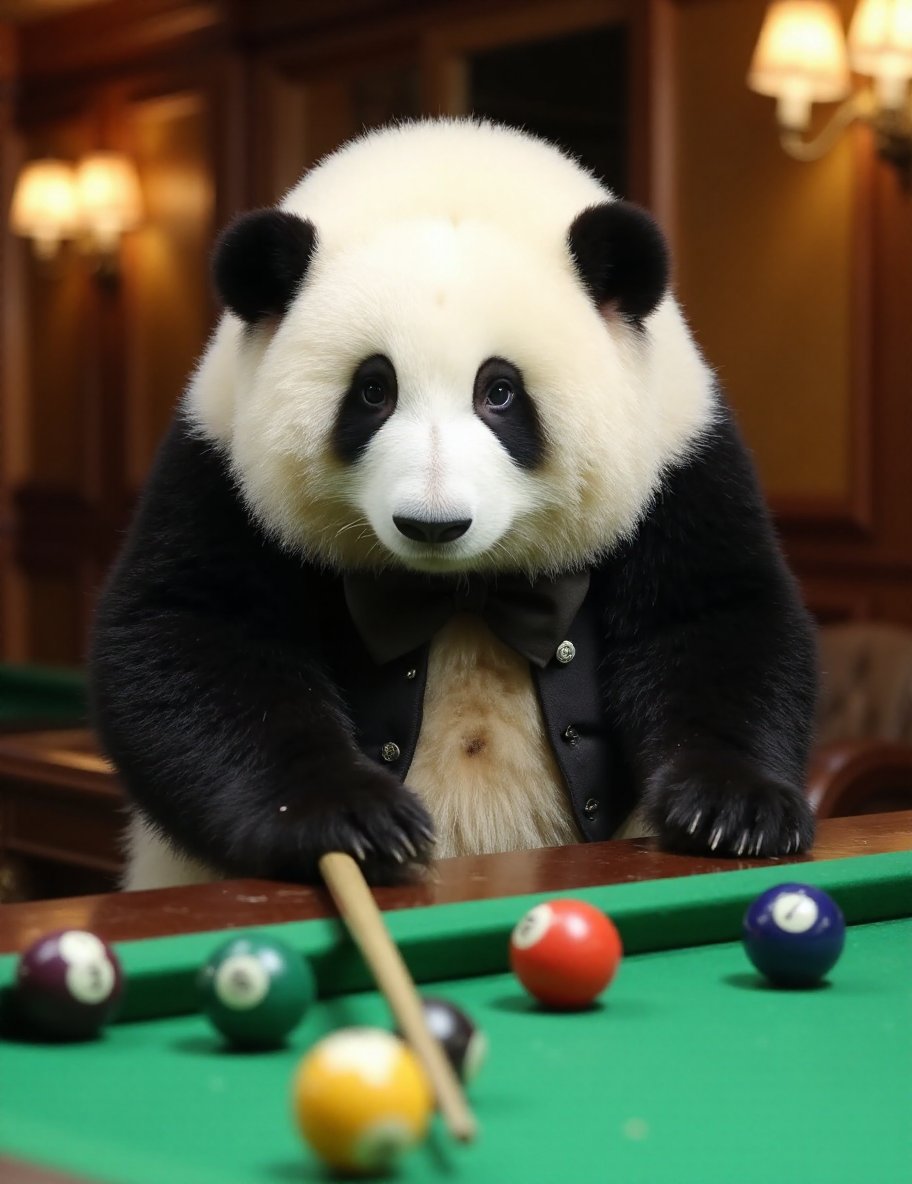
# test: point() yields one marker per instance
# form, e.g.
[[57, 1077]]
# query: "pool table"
[[690, 1069]]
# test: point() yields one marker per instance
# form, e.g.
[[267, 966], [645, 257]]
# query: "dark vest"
[[386, 704]]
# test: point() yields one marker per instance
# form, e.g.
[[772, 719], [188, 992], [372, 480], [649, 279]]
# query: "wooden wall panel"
[[166, 266], [107, 353], [10, 355], [764, 251], [797, 279]]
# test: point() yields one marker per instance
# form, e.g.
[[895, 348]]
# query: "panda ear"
[[621, 257], [259, 262]]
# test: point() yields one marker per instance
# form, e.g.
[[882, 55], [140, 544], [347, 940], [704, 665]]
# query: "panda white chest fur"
[[483, 764]]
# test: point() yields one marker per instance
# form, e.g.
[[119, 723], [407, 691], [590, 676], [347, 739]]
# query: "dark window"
[[570, 90]]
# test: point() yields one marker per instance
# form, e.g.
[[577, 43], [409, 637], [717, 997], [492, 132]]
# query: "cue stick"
[[358, 908]]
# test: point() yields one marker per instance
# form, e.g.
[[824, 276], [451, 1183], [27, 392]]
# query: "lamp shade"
[[880, 44], [109, 196], [44, 204], [800, 58]]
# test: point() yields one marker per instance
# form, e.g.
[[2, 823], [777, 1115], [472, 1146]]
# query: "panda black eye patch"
[[369, 402], [503, 404]]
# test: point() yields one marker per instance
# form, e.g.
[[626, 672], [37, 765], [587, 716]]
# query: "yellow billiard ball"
[[361, 1099]]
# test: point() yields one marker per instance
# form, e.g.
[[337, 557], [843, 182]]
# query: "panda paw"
[[719, 804], [389, 831], [362, 811]]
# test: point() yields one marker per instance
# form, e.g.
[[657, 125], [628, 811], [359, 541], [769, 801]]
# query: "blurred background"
[[131, 130]]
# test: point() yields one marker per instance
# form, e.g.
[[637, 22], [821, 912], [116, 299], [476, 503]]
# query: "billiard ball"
[[465, 1045], [255, 990], [68, 984], [361, 1099], [565, 952], [794, 934]]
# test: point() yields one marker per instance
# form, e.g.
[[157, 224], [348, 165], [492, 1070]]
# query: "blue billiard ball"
[[794, 934]]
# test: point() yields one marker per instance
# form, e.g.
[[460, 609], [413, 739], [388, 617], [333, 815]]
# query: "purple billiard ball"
[[68, 984], [794, 934]]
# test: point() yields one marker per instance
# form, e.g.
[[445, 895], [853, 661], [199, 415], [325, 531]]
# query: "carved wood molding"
[[79, 47]]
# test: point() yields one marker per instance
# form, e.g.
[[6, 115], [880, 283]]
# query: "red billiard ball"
[[68, 984], [565, 953]]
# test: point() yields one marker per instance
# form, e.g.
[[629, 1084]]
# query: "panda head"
[[450, 350]]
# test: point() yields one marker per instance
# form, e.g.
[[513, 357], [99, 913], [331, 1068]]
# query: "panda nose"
[[423, 530]]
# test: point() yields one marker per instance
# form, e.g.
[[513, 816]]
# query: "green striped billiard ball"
[[256, 990]]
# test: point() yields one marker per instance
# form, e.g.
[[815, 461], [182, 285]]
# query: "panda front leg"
[[710, 671], [210, 699], [715, 719], [248, 764], [717, 802]]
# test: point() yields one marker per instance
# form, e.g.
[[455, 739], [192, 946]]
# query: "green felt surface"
[[691, 1069]]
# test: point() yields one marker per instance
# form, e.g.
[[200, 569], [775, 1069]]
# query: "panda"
[[452, 546]]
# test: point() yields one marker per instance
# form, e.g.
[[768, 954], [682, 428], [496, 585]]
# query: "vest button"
[[591, 808], [390, 751], [571, 735], [565, 652], [411, 673]]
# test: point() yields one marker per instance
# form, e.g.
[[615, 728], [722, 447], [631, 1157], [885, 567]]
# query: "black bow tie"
[[395, 612]]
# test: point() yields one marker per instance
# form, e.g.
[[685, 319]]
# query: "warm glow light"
[[880, 44], [800, 58], [109, 196], [44, 204]]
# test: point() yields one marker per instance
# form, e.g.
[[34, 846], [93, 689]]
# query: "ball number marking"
[[241, 982], [90, 977], [90, 982], [378, 1146], [533, 927], [794, 912]]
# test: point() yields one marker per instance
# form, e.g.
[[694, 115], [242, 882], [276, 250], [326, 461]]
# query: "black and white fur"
[[450, 350]]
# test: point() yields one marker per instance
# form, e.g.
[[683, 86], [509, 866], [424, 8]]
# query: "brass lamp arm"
[[892, 131], [858, 106]]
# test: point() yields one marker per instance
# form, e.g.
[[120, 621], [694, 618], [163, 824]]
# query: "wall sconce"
[[97, 202], [44, 205], [109, 200], [801, 58]]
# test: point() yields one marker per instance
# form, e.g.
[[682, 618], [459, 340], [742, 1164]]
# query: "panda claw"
[[695, 822]]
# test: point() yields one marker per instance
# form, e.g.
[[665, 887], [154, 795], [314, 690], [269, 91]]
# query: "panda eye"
[[499, 395], [374, 392]]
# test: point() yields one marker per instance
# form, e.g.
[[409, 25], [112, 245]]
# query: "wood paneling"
[[764, 260], [797, 279], [167, 293], [107, 353]]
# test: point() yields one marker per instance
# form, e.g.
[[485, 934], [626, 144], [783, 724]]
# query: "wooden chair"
[[863, 760]]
